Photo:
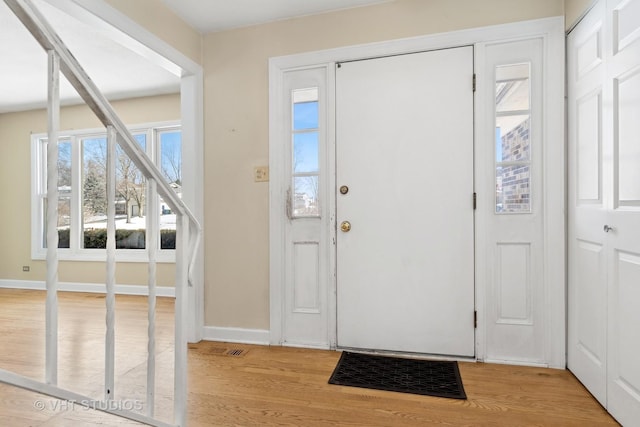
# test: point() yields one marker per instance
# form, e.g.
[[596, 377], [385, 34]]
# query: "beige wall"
[[236, 133], [15, 176], [574, 9], [160, 20]]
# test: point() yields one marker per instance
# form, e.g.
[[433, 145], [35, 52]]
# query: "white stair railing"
[[188, 235]]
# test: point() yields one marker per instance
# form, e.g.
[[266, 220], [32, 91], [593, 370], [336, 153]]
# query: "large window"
[[82, 198]]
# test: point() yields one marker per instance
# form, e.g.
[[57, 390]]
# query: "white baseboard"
[[518, 363], [96, 288], [236, 335]]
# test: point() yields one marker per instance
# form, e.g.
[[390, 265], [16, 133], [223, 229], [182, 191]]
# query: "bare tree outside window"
[[130, 185], [132, 201]]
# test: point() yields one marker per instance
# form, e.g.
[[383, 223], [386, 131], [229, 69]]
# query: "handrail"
[[188, 231], [89, 92]]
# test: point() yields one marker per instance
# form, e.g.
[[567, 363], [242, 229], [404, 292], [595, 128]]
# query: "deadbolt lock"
[[344, 189], [345, 226]]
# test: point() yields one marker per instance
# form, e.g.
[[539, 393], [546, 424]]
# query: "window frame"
[[76, 252]]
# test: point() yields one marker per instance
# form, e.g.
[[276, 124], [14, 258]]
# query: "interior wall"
[[15, 214], [574, 10], [161, 21], [236, 127]]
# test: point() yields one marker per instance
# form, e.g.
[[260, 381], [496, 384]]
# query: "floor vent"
[[235, 352]]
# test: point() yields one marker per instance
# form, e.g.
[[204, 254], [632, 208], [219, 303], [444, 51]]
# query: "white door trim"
[[552, 31]]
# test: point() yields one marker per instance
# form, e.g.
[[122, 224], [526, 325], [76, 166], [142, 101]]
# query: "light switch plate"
[[261, 173]]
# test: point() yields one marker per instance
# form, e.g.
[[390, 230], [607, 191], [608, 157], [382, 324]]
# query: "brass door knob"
[[345, 226]]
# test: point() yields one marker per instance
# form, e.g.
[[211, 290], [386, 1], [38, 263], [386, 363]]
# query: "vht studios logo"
[[101, 405]]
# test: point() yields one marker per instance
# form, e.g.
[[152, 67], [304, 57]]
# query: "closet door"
[[604, 206], [623, 222], [587, 352]]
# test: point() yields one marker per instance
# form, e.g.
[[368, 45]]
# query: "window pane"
[[171, 157], [171, 165], [131, 194], [64, 193], [513, 189], [64, 221], [305, 152], [130, 197], [305, 196], [305, 108], [94, 193], [142, 140], [512, 87], [64, 166], [512, 139]]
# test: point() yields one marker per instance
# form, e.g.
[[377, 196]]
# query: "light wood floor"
[[260, 386]]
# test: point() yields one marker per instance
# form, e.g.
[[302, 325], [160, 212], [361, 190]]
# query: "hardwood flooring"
[[245, 385]]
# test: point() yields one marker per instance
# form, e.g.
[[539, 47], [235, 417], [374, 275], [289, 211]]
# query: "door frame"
[[552, 31]]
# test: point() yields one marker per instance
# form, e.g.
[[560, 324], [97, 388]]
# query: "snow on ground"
[[167, 222]]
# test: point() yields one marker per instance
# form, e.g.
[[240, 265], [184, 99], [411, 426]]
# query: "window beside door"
[[305, 135], [513, 139]]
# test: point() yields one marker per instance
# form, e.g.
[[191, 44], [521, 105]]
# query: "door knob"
[[345, 226], [607, 228], [344, 189]]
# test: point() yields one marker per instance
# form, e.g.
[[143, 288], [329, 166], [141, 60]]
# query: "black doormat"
[[427, 377]]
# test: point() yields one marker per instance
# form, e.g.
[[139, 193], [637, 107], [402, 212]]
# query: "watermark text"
[[55, 405]]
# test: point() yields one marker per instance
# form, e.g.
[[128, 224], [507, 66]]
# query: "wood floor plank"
[[261, 386]]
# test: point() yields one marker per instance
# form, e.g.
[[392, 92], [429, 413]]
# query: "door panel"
[[623, 375], [405, 270], [587, 335], [604, 234], [511, 206], [306, 248]]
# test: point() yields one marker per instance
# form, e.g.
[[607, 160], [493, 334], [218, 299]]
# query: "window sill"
[[100, 255]]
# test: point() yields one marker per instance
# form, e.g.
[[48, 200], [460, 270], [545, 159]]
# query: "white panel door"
[[623, 78], [306, 227], [511, 206], [405, 269], [587, 352], [604, 280]]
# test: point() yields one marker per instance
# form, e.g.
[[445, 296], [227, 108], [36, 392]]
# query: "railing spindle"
[[181, 310], [51, 340], [152, 240], [109, 355]]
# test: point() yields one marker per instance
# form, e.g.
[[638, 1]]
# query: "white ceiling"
[[217, 15], [117, 71]]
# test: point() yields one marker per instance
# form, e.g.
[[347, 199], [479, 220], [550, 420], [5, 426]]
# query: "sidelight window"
[[513, 139], [305, 134]]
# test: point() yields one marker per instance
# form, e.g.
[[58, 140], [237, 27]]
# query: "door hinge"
[[475, 201], [474, 82], [475, 319]]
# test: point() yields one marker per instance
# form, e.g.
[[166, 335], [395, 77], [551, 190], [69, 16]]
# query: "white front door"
[[404, 142]]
